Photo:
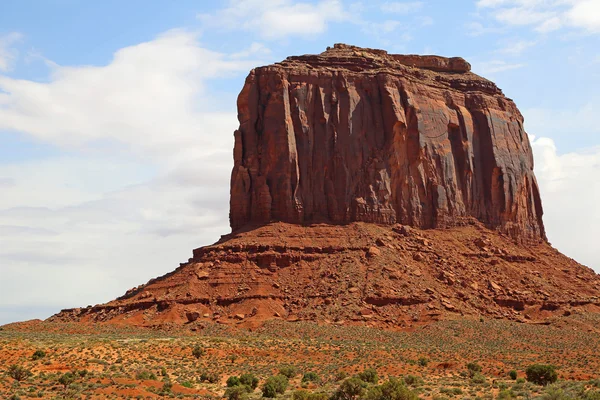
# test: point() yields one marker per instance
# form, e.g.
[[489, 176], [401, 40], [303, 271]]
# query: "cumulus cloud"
[[277, 19], [546, 15], [8, 54], [570, 191], [147, 98], [143, 181]]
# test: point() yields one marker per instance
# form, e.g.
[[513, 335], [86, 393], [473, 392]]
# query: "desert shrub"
[[340, 376], [239, 392], [66, 379], [369, 376], [541, 374], [145, 375], [187, 384], [306, 395], [198, 351], [233, 381], [249, 380], [423, 362], [473, 368], [167, 386], [163, 371], [269, 390], [520, 381], [506, 394], [478, 379], [208, 377], [513, 375], [18, 373], [451, 391], [413, 380], [393, 389], [591, 395], [82, 372], [38, 355], [564, 391], [275, 384], [289, 371], [350, 389], [310, 377]]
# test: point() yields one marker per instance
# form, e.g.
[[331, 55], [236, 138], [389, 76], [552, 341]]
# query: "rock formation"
[[327, 145], [356, 134]]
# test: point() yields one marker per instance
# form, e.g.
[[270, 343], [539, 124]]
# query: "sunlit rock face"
[[356, 134]]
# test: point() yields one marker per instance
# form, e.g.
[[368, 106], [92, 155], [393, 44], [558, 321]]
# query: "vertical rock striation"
[[357, 134]]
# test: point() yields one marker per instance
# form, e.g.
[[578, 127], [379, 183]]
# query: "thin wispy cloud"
[[276, 19], [8, 54]]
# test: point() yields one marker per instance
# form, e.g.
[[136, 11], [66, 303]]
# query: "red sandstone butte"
[[357, 134]]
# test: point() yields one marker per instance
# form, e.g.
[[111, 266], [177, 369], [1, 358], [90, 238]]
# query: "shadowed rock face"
[[357, 134]]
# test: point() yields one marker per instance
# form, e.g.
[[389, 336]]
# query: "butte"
[[370, 188]]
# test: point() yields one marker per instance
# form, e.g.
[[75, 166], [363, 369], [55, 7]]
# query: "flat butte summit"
[[370, 188]]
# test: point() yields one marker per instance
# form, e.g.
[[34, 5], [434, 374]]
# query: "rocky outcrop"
[[359, 273], [357, 134]]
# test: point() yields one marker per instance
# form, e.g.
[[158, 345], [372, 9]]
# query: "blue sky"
[[116, 121]]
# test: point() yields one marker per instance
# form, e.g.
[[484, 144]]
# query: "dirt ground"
[[138, 363]]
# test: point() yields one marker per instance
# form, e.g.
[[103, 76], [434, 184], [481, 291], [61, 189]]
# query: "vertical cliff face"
[[357, 134]]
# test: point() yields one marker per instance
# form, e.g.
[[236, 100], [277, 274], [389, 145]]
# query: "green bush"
[[198, 351], [478, 379], [167, 386], [513, 375], [340, 376], [275, 384], [592, 395], [413, 380], [66, 379], [306, 395], [211, 378], [350, 389], [18, 373], [145, 375], [249, 380], [269, 390], [541, 374], [310, 377], [473, 368], [187, 384], [393, 389], [423, 362], [239, 392], [289, 371], [506, 394], [38, 355], [233, 381], [369, 376]]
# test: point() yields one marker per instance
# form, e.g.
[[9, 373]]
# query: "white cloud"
[[495, 66], [570, 190], [8, 54], [401, 7], [147, 98], [546, 15], [585, 14], [515, 48], [277, 19], [145, 182]]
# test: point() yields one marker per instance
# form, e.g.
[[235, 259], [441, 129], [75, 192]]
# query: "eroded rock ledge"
[[356, 134]]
